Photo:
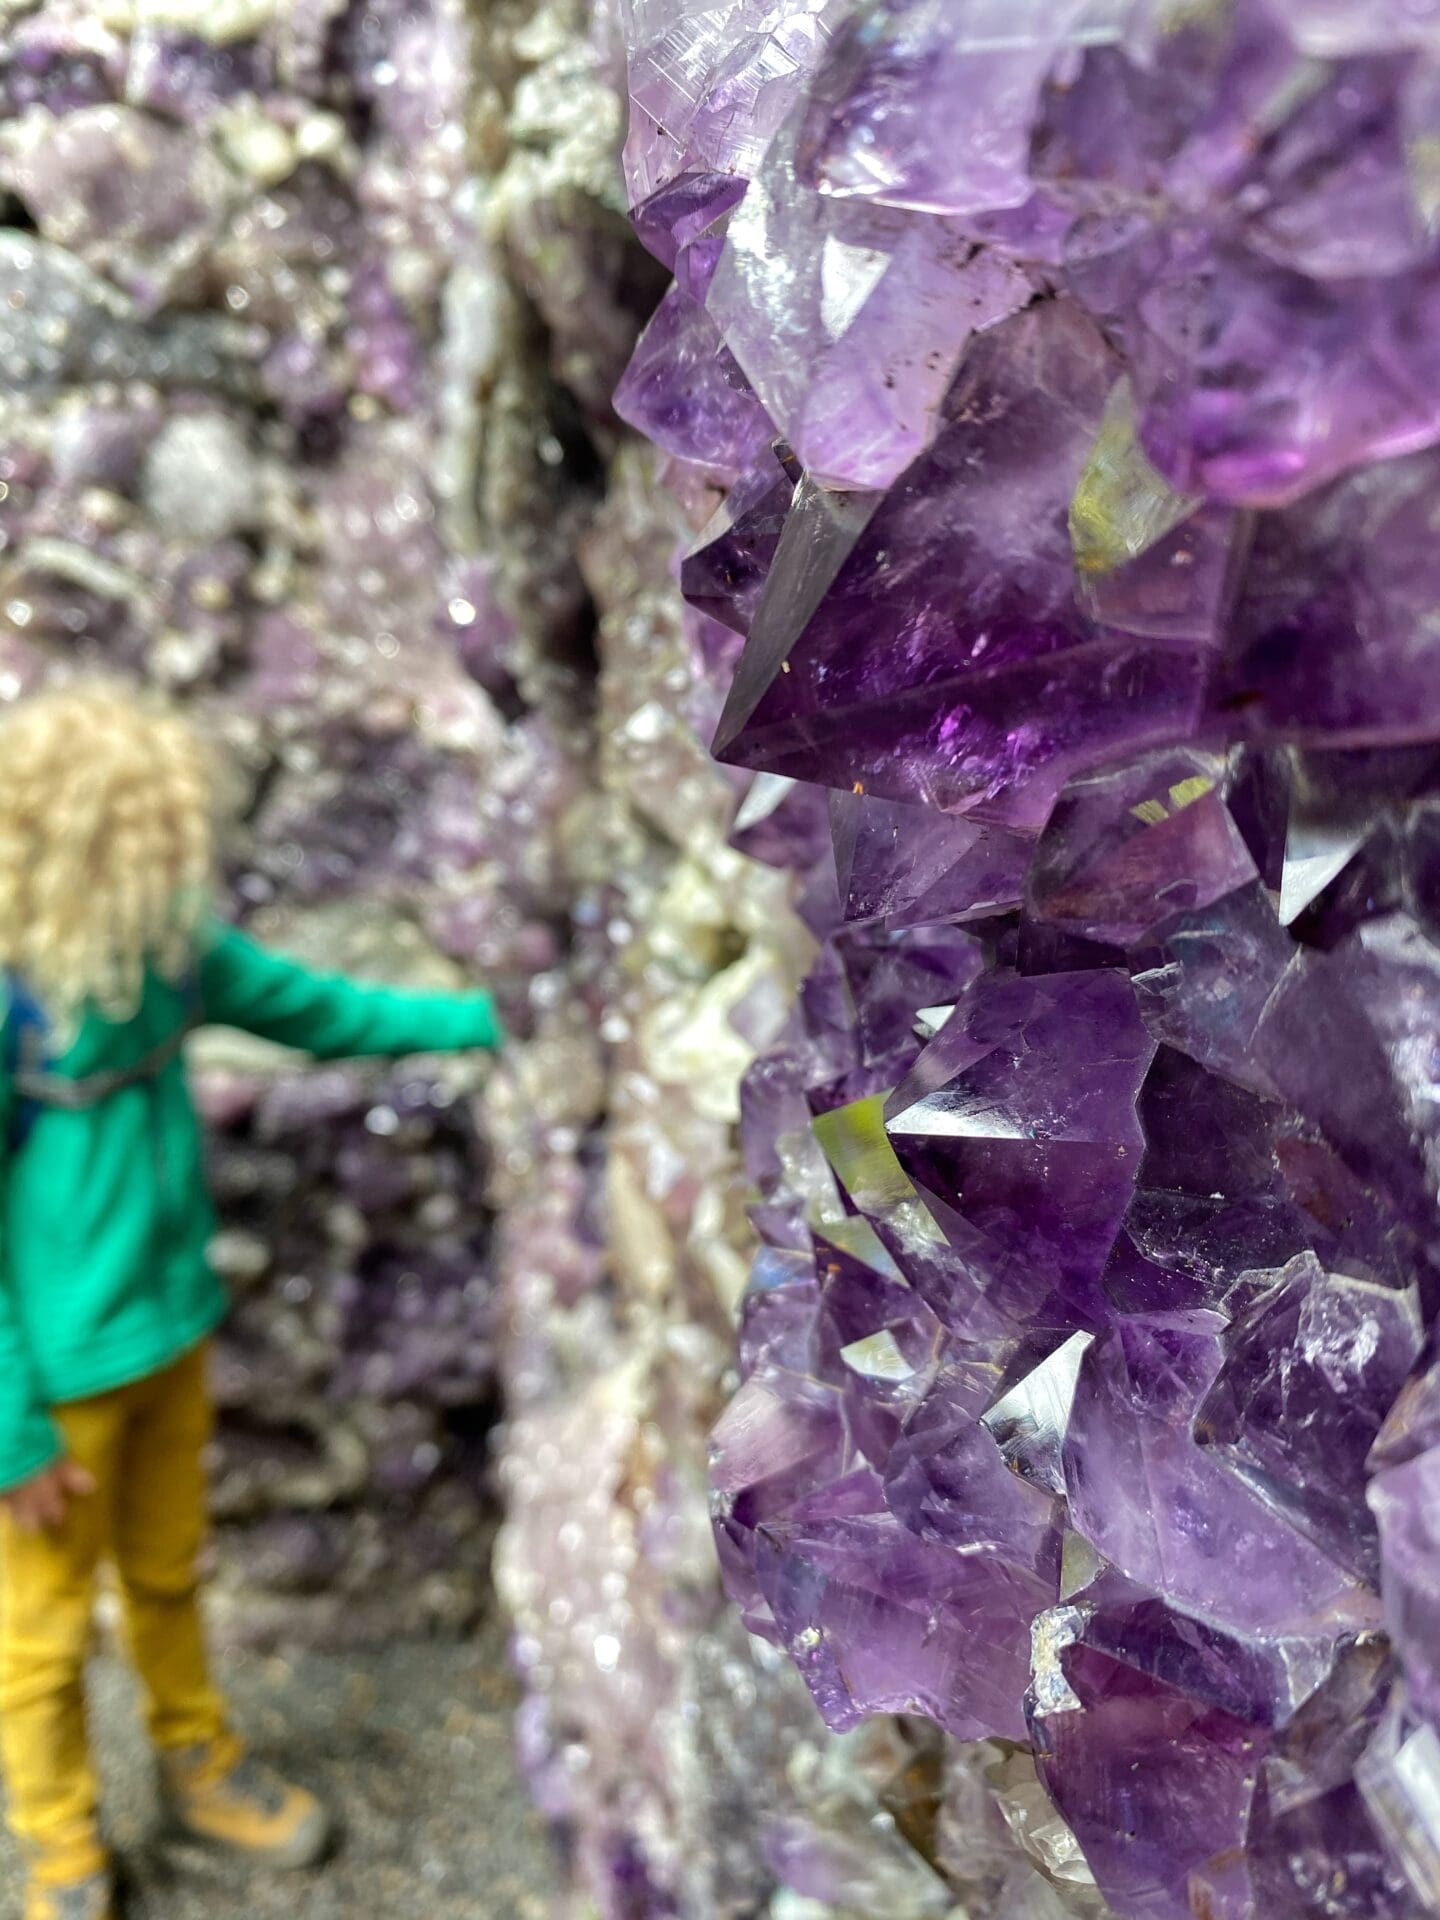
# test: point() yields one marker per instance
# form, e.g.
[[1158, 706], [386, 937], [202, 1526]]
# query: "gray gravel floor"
[[412, 1747]]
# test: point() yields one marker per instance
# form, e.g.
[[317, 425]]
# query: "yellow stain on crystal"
[[857, 1147], [1122, 505], [1180, 14], [1423, 157], [1184, 793], [855, 1236], [854, 1141], [878, 1357]]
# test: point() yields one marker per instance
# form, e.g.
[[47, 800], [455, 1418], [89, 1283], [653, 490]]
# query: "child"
[[106, 1297]]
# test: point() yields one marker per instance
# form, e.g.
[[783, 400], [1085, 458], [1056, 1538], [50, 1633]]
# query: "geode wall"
[[311, 321], [1067, 370], [286, 430], [1044, 422]]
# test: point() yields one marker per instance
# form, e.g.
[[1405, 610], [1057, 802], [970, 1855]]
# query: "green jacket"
[[104, 1276]]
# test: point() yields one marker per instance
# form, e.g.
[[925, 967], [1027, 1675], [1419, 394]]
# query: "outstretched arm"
[[324, 1014]]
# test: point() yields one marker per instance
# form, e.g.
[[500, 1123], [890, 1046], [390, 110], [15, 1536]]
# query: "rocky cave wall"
[[311, 315], [287, 432]]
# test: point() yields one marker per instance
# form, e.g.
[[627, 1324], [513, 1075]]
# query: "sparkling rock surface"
[[1087, 1369]]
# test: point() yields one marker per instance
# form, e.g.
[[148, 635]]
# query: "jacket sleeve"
[[29, 1439], [244, 985]]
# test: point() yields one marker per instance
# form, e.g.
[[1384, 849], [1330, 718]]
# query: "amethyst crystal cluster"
[[1068, 370]]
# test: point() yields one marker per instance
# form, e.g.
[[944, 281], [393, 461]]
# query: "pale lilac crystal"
[[1151, 1501], [1413, 1424], [1309, 1812], [1328, 27], [1309, 1374], [1370, 1004], [1229, 418], [909, 866], [131, 195], [710, 86], [685, 391], [1218, 970], [690, 207], [1398, 1775], [947, 1480], [851, 321], [879, 1621], [899, 67], [838, 1870], [1406, 1501]]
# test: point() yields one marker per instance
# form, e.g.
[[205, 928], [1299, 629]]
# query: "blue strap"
[[26, 1055], [26, 1028]]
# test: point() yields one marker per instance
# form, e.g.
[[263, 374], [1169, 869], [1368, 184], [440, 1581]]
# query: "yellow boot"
[[222, 1796], [88, 1899]]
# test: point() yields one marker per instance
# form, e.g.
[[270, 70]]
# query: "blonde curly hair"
[[107, 833]]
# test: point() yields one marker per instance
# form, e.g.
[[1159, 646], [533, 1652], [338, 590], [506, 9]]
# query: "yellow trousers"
[[143, 1446]]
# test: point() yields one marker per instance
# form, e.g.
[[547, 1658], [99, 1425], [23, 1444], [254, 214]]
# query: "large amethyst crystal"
[[1069, 374]]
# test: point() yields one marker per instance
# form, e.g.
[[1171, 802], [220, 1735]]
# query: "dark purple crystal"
[[1100, 1158]]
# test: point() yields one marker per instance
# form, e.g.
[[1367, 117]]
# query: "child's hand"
[[40, 1503]]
